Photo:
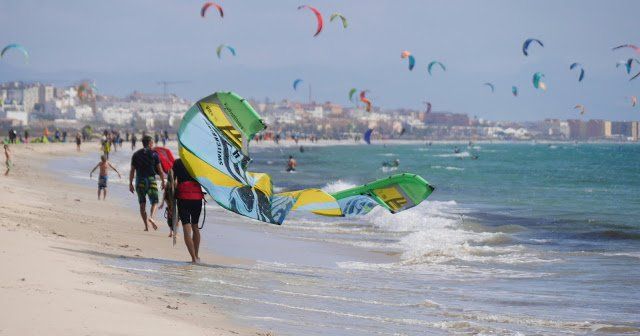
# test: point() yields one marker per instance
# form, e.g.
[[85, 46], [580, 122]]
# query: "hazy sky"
[[127, 45]]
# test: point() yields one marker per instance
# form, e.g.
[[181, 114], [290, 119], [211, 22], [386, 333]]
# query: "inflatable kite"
[[203, 10], [525, 45], [17, 47], [213, 140], [219, 49], [573, 66], [514, 91], [320, 22]]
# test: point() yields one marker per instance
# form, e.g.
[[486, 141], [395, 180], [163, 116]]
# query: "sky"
[[134, 44]]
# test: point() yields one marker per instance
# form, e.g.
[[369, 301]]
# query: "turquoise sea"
[[526, 239]]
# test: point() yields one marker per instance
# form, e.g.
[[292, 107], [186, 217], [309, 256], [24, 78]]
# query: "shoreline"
[[55, 239]]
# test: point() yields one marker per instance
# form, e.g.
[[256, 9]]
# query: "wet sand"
[[54, 237]]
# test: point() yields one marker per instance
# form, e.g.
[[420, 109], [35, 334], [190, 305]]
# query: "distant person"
[[26, 136], [164, 141], [12, 136], [104, 175], [56, 135], [134, 139], [166, 135], [189, 199], [78, 141], [456, 149], [301, 149], [106, 148], [7, 159], [291, 164], [145, 164], [156, 137], [64, 136], [127, 135]]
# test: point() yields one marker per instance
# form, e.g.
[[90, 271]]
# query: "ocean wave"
[[461, 154], [436, 234], [338, 185], [447, 167]]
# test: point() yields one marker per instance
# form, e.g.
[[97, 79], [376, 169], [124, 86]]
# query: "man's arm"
[[132, 173]]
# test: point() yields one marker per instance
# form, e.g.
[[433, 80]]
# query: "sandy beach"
[[54, 238]]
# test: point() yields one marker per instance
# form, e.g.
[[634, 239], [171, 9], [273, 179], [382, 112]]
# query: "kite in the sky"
[[428, 107], [634, 101], [525, 45], [367, 136], [412, 60], [631, 46], [338, 15], [365, 100], [493, 88], [537, 81], [224, 46], [296, 83], [581, 108], [514, 91], [15, 46], [430, 66], [351, 92], [319, 20], [573, 66], [203, 10], [213, 142]]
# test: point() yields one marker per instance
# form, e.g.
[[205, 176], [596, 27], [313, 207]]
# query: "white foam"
[[447, 167], [461, 154], [338, 185], [436, 234]]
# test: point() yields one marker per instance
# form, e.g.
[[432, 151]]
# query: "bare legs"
[[193, 243], [104, 194], [145, 218]]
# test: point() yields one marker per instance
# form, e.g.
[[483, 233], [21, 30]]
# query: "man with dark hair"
[[145, 164]]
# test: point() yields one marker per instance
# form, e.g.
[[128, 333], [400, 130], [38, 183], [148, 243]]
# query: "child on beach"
[[7, 159], [104, 176]]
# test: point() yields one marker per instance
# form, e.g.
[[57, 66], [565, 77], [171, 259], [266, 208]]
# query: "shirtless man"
[[104, 175]]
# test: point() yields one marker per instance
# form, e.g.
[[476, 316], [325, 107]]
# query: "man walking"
[[145, 164]]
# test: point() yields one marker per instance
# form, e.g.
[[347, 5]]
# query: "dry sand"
[[53, 238]]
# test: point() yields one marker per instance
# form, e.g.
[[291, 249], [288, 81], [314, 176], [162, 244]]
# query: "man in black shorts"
[[145, 164], [189, 195]]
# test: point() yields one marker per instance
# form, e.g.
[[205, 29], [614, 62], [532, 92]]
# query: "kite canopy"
[[213, 143], [514, 91], [537, 81], [296, 83], [364, 99], [575, 65], [203, 10], [318, 18], [367, 136], [224, 46], [338, 15], [493, 88], [525, 45], [351, 92], [17, 47], [581, 108], [430, 66]]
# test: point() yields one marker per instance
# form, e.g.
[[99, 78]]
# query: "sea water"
[[525, 239]]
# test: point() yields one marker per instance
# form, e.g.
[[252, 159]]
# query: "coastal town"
[[36, 107]]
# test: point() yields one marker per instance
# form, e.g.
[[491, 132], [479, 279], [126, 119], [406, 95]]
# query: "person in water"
[[189, 197], [291, 165], [145, 164], [103, 177], [7, 159], [389, 164], [456, 149]]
